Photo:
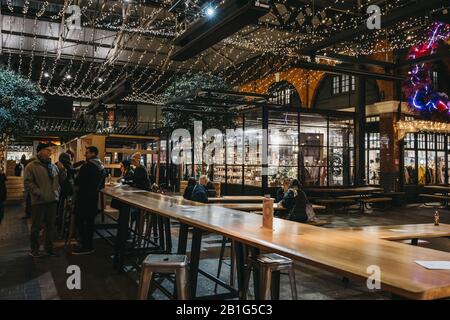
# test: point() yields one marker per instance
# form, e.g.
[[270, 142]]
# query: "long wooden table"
[[256, 206], [401, 232], [236, 199], [438, 189], [346, 253], [344, 191]]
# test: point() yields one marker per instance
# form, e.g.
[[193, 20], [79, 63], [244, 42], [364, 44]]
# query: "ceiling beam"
[[417, 9], [344, 70], [358, 60]]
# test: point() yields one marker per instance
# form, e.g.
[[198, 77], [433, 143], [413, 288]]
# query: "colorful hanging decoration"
[[418, 88]]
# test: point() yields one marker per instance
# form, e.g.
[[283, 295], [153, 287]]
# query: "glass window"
[[373, 158], [410, 173], [336, 85], [422, 167], [430, 176], [421, 141], [410, 141], [345, 83], [434, 76], [353, 83], [440, 168]]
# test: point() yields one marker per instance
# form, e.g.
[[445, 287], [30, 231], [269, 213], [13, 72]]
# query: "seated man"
[[189, 189], [199, 193], [281, 191]]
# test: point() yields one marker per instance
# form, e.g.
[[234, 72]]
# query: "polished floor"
[[22, 277]]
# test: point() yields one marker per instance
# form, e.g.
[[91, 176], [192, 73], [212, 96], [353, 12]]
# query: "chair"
[[267, 264], [167, 264]]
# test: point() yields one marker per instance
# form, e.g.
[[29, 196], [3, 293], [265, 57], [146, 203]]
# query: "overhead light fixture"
[[68, 76], [210, 11], [46, 75], [100, 79], [230, 17]]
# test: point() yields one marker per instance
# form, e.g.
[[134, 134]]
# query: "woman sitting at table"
[[189, 188], [295, 201], [200, 193], [126, 171]]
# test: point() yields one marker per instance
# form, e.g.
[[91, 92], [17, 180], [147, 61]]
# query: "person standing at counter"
[[199, 192], [140, 178], [42, 181], [126, 171], [89, 181]]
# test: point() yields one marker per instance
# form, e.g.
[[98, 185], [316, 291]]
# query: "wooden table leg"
[[182, 239], [240, 269], [256, 274], [168, 235], [195, 260]]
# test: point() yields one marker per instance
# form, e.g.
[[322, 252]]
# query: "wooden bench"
[[443, 199], [332, 204], [365, 201]]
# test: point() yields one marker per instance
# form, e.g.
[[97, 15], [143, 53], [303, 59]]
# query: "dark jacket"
[[280, 195], [2, 187], [188, 192], [127, 176], [199, 193], [140, 179], [298, 209], [90, 180], [67, 184]]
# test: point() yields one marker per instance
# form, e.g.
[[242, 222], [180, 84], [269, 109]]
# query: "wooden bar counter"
[[340, 251]]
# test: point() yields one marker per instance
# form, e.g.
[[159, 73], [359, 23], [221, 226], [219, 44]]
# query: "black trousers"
[[27, 205], [85, 227]]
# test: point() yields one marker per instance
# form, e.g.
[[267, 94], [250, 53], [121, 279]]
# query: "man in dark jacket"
[[199, 193], [42, 181], [90, 179], [2, 194]]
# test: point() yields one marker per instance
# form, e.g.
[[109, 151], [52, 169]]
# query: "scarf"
[[48, 164]]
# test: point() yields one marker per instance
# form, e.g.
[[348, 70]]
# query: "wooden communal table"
[[438, 189], [412, 232], [346, 253], [343, 191], [236, 199], [255, 206]]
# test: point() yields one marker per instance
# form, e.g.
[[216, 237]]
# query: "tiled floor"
[[21, 277]]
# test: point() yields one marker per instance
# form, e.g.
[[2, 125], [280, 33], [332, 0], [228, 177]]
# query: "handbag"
[[310, 212]]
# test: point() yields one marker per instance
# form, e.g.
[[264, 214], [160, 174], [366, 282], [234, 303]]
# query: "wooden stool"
[[266, 264], [164, 263]]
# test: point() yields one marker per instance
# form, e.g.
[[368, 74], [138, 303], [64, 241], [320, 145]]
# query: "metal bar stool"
[[226, 240], [164, 263], [267, 264]]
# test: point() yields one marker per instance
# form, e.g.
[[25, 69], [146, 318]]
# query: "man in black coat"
[[89, 181]]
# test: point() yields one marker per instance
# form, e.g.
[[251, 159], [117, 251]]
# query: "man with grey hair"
[[200, 193], [42, 181]]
